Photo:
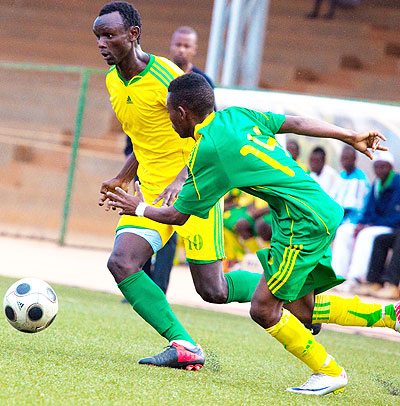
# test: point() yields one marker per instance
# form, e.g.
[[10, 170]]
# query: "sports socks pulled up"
[[352, 312], [241, 285], [300, 342], [149, 301]]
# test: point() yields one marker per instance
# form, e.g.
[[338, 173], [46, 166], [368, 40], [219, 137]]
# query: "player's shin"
[[352, 312], [299, 341], [149, 301], [241, 285]]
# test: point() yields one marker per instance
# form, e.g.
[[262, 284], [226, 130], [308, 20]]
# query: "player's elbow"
[[180, 221], [180, 218]]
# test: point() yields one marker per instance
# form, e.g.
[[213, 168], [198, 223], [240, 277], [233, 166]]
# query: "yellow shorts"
[[203, 238]]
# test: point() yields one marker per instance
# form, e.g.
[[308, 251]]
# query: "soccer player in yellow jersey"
[[138, 86]]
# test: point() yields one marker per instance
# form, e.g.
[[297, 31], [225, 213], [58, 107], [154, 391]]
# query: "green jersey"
[[237, 148]]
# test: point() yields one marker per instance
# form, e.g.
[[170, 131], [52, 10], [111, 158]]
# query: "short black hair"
[[128, 12], [319, 150], [192, 90]]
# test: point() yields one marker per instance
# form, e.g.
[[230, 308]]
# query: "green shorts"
[[294, 270]]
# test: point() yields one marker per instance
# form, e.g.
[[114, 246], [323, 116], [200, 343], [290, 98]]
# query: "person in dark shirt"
[[183, 49]]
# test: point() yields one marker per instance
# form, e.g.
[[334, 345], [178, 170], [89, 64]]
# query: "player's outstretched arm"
[[136, 206], [122, 180], [365, 142]]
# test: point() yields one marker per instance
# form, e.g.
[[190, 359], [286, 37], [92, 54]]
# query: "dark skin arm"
[[122, 180], [365, 142], [321, 129]]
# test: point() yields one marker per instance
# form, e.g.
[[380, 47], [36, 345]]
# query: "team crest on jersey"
[[129, 100]]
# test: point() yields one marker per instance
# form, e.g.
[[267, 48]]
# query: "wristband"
[[140, 208]]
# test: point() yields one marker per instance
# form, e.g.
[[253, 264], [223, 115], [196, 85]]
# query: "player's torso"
[[140, 107], [258, 164]]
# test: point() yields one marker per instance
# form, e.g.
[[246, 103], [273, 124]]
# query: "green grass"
[[89, 357]]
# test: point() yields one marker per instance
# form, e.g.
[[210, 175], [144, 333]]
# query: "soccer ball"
[[30, 305]]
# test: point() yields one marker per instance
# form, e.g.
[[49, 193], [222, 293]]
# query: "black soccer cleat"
[[177, 356], [315, 328]]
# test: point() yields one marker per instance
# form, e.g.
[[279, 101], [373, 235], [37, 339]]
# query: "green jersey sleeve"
[[271, 120], [206, 182]]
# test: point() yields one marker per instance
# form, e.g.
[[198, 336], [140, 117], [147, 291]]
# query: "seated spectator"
[[382, 212], [378, 275], [320, 172], [352, 188], [293, 147]]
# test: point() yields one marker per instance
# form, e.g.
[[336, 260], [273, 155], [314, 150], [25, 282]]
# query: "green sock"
[[241, 285], [149, 301]]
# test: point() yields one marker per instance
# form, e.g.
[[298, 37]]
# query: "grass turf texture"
[[89, 355]]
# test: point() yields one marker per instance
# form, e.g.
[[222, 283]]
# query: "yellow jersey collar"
[[205, 122]]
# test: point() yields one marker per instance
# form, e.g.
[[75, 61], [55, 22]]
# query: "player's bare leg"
[[130, 253], [210, 282], [216, 287], [303, 309], [267, 310]]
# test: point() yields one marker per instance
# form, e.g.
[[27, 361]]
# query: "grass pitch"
[[89, 355]]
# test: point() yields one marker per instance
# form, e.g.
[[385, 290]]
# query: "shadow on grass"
[[389, 386]]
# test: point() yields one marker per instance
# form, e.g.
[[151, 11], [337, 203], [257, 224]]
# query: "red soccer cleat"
[[177, 356]]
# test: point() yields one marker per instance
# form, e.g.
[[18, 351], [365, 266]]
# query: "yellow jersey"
[[140, 106]]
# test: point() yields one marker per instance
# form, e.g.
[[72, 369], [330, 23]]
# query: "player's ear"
[[182, 112], [134, 33]]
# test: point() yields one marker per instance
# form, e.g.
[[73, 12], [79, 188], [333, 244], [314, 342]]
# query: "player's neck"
[[133, 64]]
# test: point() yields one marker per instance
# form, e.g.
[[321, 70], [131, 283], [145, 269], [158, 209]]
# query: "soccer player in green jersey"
[[236, 147]]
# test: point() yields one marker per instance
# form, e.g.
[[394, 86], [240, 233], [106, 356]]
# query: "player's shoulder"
[[166, 65], [112, 73]]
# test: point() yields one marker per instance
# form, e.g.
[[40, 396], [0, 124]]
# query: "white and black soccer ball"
[[30, 305]]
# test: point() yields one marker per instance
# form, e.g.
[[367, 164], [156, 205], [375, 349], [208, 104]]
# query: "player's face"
[[179, 120], [183, 48], [113, 39]]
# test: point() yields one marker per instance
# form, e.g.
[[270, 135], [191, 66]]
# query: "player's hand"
[[368, 142], [110, 186], [119, 199], [170, 193]]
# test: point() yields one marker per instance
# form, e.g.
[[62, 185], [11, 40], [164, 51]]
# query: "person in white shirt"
[[323, 174]]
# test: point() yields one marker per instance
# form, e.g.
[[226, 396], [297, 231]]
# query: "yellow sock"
[[352, 312], [300, 342]]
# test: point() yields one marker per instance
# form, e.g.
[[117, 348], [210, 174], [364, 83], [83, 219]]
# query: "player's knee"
[[263, 315], [212, 294], [121, 267]]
